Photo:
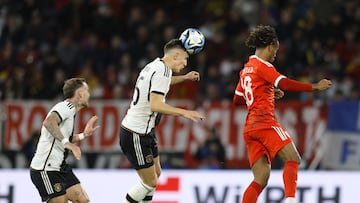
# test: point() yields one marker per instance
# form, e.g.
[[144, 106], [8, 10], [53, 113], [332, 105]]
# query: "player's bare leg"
[[148, 176], [261, 171], [157, 166], [146, 186], [149, 196], [77, 194], [59, 199], [291, 158]]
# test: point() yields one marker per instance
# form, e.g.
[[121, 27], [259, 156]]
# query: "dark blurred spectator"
[[105, 23], [118, 37], [7, 61], [353, 67], [92, 50], [35, 87], [118, 92], [355, 93], [114, 51], [67, 50], [13, 30], [347, 47], [212, 85], [54, 89], [211, 153], [35, 29], [77, 16], [29, 146], [15, 84]]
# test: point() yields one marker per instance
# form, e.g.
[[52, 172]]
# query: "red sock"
[[290, 175], [252, 192]]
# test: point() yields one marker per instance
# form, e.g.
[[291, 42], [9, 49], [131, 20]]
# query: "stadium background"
[[43, 42], [108, 42]]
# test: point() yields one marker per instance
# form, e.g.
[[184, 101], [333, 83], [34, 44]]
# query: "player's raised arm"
[[192, 75]]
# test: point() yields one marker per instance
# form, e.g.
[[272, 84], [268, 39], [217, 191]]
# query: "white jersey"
[[50, 152], [154, 77]]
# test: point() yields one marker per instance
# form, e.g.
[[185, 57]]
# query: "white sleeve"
[[160, 81], [63, 110]]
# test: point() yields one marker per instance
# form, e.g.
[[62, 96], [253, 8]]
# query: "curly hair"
[[262, 36]]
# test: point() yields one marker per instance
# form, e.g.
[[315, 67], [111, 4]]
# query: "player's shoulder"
[[159, 67], [64, 106]]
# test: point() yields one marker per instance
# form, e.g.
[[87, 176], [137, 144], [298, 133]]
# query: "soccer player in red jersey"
[[265, 138]]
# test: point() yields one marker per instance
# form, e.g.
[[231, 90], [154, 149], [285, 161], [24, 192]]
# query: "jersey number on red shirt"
[[248, 93]]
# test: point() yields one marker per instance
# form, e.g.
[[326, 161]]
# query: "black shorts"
[[52, 184], [139, 149]]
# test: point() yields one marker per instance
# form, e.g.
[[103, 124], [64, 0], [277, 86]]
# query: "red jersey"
[[257, 81]]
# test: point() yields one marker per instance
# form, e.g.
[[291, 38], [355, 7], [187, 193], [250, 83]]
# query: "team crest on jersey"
[[149, 158], [57, 187]]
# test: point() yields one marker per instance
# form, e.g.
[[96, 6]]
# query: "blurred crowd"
[[43, 42]]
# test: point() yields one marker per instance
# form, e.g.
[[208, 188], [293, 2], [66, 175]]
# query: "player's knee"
[[152, 182], [79, 197], [262, 175], [264, 179], [82, 199]]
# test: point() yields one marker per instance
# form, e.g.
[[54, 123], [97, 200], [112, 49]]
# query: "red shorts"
[[266, 142]]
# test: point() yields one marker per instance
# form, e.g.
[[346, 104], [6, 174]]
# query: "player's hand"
[[193, 76], [90, 128], [74, 149], [323, 84], [278, 93], [193, 115]]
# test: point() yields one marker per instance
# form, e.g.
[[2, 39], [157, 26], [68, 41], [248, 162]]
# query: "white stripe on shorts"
[[47, 182], [138, 151]]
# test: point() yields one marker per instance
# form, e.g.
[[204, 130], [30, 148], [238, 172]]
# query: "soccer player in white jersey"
[[52, 176], [137, 133]]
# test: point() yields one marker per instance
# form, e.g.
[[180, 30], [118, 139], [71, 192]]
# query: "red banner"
[[305, 122]]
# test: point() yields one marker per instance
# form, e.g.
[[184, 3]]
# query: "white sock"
[[139, 191], [148, 195], [290, 200]]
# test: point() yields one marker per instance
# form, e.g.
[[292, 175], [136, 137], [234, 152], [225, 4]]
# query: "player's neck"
[[261, 53], [165, 60], [76, 103]]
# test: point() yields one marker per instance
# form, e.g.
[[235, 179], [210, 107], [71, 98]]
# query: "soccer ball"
[[193, 40]]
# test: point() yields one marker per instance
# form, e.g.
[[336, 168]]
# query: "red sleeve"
[[238, 100], [293, 85]]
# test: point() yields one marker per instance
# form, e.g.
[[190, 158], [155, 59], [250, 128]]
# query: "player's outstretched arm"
[[323, 84], [192, 75], [193, 115], [89, 130], [157, 104], [297, 86]]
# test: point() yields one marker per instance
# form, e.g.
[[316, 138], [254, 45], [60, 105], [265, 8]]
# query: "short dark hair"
[[172, 44], [262, 36], [71, 85]]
